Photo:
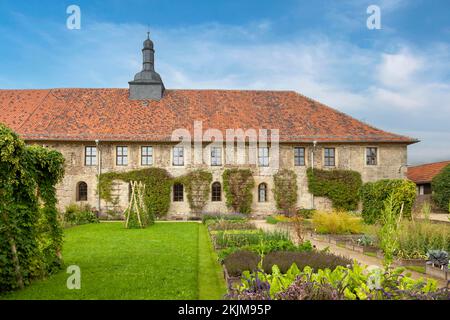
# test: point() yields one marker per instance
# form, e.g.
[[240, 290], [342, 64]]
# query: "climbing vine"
[[238, 185], [285, 190], [30, 233], [157, 182], [340, 186], [197, 185]]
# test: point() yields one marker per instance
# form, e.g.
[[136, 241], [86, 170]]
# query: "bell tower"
[[147, 84]]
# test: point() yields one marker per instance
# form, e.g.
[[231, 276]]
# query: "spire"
[[147, 84]]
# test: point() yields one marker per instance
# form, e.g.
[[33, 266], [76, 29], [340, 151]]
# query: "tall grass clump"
[[336, 222]]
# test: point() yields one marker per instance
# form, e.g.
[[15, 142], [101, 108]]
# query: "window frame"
[[79, 193], [176, 197], [90, 156], [367, 157], [214, 196], [328, 157], [147, 156], [263, 157], [121, 156], [262, 187], [301, 157], [214, 156], [178, 156]]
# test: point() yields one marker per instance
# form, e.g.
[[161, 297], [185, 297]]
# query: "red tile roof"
[[108, 114], [426, 172]]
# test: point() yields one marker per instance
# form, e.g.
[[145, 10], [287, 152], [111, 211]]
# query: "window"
[[122, 156], [82, 191], [371, 156], [216, 192], [329, 157], [178, 192], [178, 156], [299, 156], [90, 156], [263, 156], [216, 156], [146, 156], [262, 192]]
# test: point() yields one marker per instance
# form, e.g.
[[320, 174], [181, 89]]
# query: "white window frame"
[[147, 155], [176, 158], [263, 156], [122, 156]]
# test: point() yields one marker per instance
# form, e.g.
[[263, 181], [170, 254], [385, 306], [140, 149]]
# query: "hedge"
[[373, 195]]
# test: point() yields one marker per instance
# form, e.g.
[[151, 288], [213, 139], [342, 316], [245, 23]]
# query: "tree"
[[441, 188]]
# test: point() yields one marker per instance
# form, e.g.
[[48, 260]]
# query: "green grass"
[[271, 220], [163, 261], [371, 254]]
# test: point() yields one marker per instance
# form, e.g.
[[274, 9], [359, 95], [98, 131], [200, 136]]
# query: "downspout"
[[312, 168], [99, 172]]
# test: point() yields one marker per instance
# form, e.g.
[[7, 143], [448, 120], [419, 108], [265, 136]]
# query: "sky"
[[396, 78]]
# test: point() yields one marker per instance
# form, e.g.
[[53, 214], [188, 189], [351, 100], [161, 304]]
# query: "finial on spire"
[[148, 35]]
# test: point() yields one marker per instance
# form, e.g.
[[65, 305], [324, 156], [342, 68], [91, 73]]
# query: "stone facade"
[[391, 163]]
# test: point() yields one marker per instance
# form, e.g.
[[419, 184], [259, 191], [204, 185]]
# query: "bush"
[[416, 239], [79, 214], [314, 259], [285, 191], [340, 186], [336, 223], [441, 188], [306, 213], [239, 261], [373, 195]]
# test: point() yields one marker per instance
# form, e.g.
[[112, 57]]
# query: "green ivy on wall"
[[285, 190], [340, 186], [374, 194], [30, 232], [197, 185], [441, 189], [238, 185], [158, 183]]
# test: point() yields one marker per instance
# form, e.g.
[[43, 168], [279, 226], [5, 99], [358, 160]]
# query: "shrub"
[[373, 195], [238, 185], [306, 213], [340, 186], [240, 261], [416, 239], [285, 190], [336, 223], [441, 188], [314, 259], [79, 214]]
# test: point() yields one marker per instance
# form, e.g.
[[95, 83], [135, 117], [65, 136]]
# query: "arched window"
[[262, 192], [216, 192], [178, 192], [82, 191]]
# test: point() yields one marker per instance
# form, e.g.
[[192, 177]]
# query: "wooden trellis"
[[136, 204]]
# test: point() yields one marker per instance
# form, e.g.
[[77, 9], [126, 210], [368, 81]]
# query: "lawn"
[[164, 261]]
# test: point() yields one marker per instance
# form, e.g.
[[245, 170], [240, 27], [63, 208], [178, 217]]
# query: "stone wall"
[[391, 164]]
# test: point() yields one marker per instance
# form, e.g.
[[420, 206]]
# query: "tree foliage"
[[374, 194], [30, 232], [441, 188]]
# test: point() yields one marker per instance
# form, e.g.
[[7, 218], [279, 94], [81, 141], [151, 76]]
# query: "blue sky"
[[396, 78]]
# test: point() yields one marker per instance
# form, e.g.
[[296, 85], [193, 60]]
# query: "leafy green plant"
[[426, 210], [336, 222], [79, 214], [285, 191], [438, 257], [30, 231], [238, 185], [366, 241], [388, 231], [230, 225], [197, 186], [306, 213], [441, 188], [240, 261], [373, 195], [213, 217], [340, 186], [240, 238]]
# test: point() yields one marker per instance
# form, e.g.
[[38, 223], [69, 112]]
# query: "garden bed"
[[437, 272]]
